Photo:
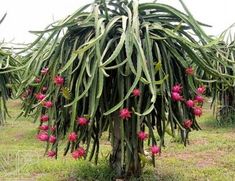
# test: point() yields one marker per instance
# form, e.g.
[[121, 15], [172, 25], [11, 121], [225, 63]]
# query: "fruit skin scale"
[[136, 92], [197, 111], [142, 135], [155, 150], [190, 103], [201, 90], [187, 123], [125, 113], [82, 121], [72, 137], [59, 80]]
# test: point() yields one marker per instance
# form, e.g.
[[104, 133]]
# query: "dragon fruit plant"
[[7, 78], [120, 67], [223, 95], [8, 81]]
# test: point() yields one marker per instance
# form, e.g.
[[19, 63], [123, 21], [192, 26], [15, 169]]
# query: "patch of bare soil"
[[202, 159], [19, 136], [230, 135], [14, 103], [206, 159], [33, 177], [198, 142]]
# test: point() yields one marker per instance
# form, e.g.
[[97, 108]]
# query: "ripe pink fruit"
[[80, 152], [44, 118], [37, 80], [142, 135], [82, 121], [72, 136], [199, 99], [189, 71], [197, 111], [177, 88], [136, 92], [59, 80], [52, 139], [190, 103], [47, 104], [125, 113], [51, 154], [39, 96], [44, 70], [201, 90], [187, 123], [155, 149], [43, 127], [43, 136], [176, 96]]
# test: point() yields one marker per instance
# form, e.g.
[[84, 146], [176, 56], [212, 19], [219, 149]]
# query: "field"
[[210, 156]]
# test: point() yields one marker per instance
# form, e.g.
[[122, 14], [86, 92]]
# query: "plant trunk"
[[131, 164], [115, 158]]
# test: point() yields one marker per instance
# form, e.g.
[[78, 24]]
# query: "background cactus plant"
[[7, 78]]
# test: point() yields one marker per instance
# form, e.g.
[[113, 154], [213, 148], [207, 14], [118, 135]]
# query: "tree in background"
[[7, 78], [223, 95]]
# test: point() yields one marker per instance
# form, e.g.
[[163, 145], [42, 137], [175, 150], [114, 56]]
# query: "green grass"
[[209, 156]]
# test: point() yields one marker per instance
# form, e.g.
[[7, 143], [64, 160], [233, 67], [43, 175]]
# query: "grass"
[[209, 156]]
